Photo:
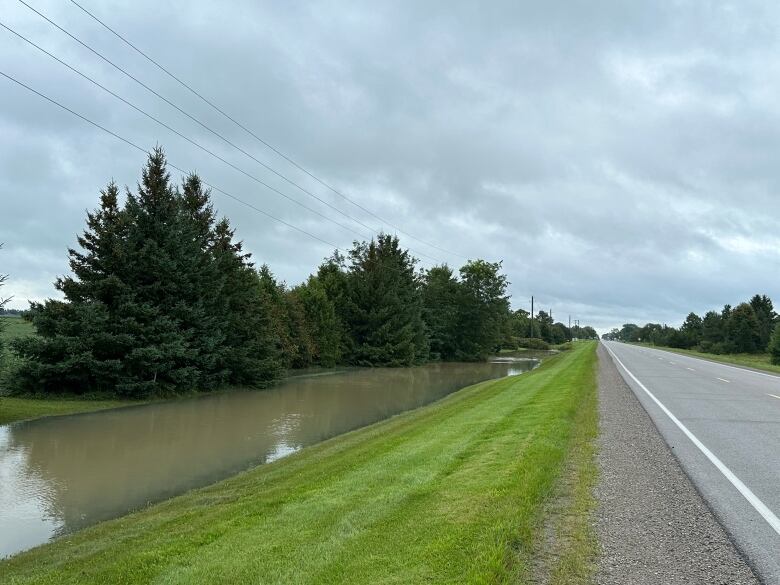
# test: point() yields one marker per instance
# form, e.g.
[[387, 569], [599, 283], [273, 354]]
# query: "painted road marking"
[[773, 396], [673, 363], [757, 504], [722, 365], [723, 380], [691, 369]]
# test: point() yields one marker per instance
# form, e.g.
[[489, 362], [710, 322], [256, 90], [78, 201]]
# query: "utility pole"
[[532, 315], [569, 327]]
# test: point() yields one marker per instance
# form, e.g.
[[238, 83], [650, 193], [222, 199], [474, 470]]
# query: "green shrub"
[[533, 343]]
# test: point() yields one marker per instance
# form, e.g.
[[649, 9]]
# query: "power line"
[[254, 135], [193, 118], [173, 166], [181, 135]]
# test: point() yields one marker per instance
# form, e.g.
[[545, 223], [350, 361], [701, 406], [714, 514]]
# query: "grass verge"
[[757, 361], [13, 409], [449, 493]]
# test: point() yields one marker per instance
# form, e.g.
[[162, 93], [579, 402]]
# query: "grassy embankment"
[[13, 408], [492, 484], [758, 361]]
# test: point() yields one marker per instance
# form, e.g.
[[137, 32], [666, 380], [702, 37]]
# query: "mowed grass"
[[449, 493], [758, 361], [14, 408]]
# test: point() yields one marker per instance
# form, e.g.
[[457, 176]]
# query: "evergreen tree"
[[252, 348], [383, 308], [441, 297], [766, 317], [324, 325], [742, 330], [159, 301], [692, 330]]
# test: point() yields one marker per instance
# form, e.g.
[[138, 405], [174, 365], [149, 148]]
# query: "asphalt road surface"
[[723, 424]]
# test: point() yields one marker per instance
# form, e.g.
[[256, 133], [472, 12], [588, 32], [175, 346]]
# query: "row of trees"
[[543, 327], [749, 327], [162, 299]]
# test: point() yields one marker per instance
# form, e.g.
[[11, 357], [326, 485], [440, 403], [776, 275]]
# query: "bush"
[[774, 345], [533, 343]]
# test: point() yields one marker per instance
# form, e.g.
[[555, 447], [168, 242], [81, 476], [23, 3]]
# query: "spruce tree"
[[441, 296], [160, 301], [384, 306], [251, 352]]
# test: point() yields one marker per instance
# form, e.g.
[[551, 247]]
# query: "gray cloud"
[[619, 158]]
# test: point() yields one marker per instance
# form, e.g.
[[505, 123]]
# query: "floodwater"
[[64, 473]]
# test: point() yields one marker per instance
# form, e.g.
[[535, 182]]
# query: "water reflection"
[[64, 473]]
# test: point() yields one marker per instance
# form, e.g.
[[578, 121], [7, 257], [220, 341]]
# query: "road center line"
[[773, 396], [691, 369], [752, 499], [724, 380]]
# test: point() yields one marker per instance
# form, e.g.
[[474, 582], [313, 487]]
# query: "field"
[[490, 485]]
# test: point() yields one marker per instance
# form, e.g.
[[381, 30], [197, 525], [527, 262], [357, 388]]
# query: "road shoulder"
[[652, 525]]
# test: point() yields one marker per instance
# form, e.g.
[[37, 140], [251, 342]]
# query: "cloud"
[[619, 159]]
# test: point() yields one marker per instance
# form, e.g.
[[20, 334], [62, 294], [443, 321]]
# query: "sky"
[[620, 159]]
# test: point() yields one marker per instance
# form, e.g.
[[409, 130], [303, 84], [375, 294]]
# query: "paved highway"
[[723, 424]]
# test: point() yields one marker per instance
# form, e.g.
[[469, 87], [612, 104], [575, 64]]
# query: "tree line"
[[750, 327], [162, 299]]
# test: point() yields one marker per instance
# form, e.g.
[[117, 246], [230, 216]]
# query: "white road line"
[[673, 363], [724, 380], [714, 363], [757, 504], [773, 396], [691, 369]]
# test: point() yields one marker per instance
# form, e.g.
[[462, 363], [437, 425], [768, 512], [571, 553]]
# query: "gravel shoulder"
[[653, 526]]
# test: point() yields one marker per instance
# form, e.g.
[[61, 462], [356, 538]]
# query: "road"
[[723, 424]]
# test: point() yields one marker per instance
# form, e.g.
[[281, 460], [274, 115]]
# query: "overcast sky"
[[620, 158]]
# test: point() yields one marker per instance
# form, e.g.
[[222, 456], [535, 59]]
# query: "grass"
[[758, 361], [449, 493], [14, 409]]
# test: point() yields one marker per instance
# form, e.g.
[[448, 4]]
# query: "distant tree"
[[629, 332], [766, 317], [542, 326], [774, 345], [742, 330], [712, 328], [692, 330], [589, 332], [558, 333], [520, 323]]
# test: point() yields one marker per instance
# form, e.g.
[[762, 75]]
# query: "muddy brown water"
[[63, 473]]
